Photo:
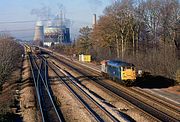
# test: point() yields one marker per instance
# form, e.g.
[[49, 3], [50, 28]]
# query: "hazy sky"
[[80, 13]]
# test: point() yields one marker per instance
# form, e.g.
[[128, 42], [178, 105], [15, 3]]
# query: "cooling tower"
[[39, 32]]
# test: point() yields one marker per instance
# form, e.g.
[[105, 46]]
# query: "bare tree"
[[10, 53], [103, 36], [142, 33]]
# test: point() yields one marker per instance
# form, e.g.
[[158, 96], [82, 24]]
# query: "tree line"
[[10, 56], [144, 32]]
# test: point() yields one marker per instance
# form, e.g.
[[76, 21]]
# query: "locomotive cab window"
[[133, 68], [128, 67], [125, 68]]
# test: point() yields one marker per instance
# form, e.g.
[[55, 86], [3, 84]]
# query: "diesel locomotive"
[[119, 71]]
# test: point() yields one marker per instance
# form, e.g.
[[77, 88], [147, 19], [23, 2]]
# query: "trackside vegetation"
[[10, 56], [10, 61], [145, 33]]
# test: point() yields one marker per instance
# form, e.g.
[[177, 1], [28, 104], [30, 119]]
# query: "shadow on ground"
[[44, 52], [150, 81], [10, 117]]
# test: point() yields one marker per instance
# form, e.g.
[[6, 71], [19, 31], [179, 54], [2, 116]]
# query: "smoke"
[[94, 4], [42, 13], [52, 15], [60, 6]]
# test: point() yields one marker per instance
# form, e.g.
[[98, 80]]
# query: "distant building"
[[56, 35], [55, 32]]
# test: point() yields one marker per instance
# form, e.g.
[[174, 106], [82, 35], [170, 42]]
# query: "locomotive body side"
[[114, 71]]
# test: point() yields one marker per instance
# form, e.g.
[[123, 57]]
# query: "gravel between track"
[[72, 110], [27, 96], [119, 105]]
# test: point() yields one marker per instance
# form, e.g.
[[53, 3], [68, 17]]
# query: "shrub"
[[10, 56]]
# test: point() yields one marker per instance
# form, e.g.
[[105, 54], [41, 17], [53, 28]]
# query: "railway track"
[[47, 107], [97, 111], [168, 113], [170, 108]]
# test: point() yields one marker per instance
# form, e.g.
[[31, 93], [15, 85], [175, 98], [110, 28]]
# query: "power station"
[[55, 32]]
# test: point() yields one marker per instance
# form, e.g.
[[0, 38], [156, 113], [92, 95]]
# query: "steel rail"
[[164, 104], [49, 94], [161, 115], [36, 87], [175, 111], [77, 97], [70, 78]]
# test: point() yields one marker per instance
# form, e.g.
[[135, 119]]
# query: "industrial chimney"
[[39, 34], [94, 20]]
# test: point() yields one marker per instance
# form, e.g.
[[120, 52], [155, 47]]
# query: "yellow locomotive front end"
[[128, 73]]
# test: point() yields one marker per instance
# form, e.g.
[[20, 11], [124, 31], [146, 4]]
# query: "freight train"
[[119, 71]]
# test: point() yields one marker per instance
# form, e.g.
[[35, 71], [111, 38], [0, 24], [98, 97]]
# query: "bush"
[[158, 61], [10, 56]]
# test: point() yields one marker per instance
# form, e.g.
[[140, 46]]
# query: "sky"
[[18, 17]]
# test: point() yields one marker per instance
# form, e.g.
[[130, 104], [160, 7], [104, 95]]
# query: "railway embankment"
[[72, 111], [9, 97], [110, 102], [27, 95]]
